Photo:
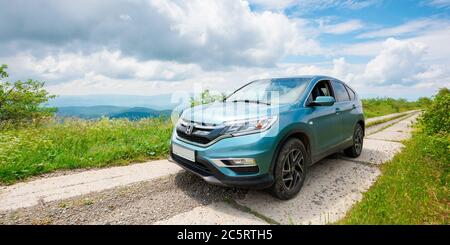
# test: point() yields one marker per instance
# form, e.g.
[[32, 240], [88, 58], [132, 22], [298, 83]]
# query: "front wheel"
[[290, 169], [358, 138]]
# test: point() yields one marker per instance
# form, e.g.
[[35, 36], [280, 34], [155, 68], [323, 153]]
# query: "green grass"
[[413, 187], [80, 144], [384, 106], [373, 123]]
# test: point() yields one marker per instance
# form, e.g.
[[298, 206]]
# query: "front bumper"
[[215, 177], [256, 146]]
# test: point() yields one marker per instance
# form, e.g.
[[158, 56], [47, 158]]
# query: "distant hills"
[[94, 112], [157, 102], [133, 107]]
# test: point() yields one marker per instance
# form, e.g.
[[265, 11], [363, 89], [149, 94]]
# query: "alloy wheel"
[[293, 168], [358, 140]]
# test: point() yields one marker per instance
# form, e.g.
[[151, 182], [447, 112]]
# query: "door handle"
[[337, 111]]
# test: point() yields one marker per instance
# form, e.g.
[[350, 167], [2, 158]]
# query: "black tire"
[[291, 163], [358, 140]]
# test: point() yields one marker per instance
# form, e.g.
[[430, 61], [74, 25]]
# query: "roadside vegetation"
[[414, 186], [80, 143], [33, 141], [382, 106]]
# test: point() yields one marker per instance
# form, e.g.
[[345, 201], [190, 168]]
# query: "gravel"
[[378, 127], [141, 203]]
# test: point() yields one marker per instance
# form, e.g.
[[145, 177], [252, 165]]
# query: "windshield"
[[271, 91]]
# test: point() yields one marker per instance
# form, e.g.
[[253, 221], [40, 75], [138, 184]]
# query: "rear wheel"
[[358, 138], [290, 169]]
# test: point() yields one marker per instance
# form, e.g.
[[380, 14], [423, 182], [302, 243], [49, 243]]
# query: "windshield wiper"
[[252, 101]]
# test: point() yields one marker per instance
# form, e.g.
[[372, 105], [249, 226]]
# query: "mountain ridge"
[[98, 111]]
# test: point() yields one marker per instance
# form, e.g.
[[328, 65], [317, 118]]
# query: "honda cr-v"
[[267, 133]]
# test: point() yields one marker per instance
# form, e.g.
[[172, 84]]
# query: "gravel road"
[[141, 203]]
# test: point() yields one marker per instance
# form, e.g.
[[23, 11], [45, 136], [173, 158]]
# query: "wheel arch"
[[363, 125], [298, 134]]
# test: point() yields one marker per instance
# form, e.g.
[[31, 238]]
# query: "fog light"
[[243, 161], [235, 162]]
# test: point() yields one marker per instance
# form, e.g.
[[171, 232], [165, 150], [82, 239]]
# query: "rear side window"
[[340, 92], [351, 93]]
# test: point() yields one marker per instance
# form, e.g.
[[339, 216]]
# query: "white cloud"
[[398, 63], [438, 3], [368, 49], [273, 4], [413, 27], [431, 32], [218, 33], [340, 28], [305, 6], [228, 32], [435, 40], [125, 17], [65, 66], [338, 68], [341, 69]]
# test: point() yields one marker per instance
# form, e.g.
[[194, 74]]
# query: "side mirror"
[[323, 101]]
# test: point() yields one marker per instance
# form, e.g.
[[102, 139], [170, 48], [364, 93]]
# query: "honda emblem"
[[189, 128]]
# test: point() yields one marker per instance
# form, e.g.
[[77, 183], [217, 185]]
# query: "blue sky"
[[380, 14], [396, 48]]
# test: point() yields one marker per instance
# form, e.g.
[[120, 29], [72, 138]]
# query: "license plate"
[[183, 152]]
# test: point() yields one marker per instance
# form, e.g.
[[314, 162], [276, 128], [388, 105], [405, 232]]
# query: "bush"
[[436, 118], [21, 102]]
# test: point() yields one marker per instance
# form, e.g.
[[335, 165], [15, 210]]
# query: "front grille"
[[193, 138], [200, 134]]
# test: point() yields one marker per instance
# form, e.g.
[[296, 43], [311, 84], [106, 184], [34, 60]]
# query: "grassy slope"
[[80, 144], [383, 106], [413, 187]]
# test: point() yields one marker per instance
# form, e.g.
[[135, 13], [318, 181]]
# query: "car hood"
[[217, 113]]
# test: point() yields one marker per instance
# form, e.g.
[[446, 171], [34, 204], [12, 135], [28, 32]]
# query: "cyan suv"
[[267, 133]]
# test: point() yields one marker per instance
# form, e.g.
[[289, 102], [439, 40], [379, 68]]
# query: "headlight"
[[249, 126]]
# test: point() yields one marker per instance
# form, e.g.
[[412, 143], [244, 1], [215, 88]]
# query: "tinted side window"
[[340, 92], [351, 93]]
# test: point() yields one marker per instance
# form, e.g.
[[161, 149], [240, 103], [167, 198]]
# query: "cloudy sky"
[[398, 48]]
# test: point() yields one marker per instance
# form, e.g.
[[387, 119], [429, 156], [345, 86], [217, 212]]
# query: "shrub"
[[21, 102], [436, 118]]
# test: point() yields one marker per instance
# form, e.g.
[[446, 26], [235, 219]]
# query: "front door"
[[325, 121]]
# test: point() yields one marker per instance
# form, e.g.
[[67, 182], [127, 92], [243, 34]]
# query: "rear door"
[[344, 108]]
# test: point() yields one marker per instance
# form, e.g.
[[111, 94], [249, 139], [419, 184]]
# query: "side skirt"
[[336, 149]]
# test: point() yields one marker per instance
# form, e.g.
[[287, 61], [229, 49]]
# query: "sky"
[[382, 48]]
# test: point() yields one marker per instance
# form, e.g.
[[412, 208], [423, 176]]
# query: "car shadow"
[[203, 192]]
